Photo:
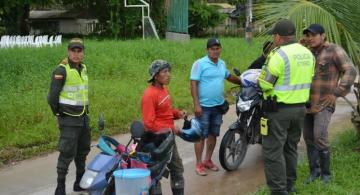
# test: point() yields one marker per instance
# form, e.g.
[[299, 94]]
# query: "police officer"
[[68, 99], [285, 81]]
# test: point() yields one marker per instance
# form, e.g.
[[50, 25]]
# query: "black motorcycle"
[[245, 130]]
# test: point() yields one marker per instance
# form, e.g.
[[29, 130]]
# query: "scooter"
[[98, 178]]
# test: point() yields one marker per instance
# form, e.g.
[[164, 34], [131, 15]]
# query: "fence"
[[9, 41]]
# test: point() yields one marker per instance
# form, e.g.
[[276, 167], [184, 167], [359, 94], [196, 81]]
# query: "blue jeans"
[[210, 120]]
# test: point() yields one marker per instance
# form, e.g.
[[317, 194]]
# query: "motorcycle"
[[246, 129], [98, 178]]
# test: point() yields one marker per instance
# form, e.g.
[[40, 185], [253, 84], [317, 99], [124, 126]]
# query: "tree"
[[14, 14], [202, 17], [337, 17], [249, 17]]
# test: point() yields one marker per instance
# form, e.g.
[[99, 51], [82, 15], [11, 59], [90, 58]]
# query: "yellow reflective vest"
[[288, 74], [75, 90]]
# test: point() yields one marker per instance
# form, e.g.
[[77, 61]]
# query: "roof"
[[224, 7], [59, 14]]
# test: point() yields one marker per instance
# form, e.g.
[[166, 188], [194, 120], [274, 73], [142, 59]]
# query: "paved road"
[[38, 176]]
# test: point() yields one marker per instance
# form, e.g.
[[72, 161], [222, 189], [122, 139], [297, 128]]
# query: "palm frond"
[[336, 17]]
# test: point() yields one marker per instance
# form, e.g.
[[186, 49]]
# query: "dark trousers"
[[176, 174], [280, 147], [74, 144]]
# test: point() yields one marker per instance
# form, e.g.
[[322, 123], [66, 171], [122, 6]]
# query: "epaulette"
[[272, 52], [64, 61], [275, 49]]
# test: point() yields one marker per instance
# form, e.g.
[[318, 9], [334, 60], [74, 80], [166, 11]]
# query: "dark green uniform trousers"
[[74, 144], [176, 175], [280, 147]]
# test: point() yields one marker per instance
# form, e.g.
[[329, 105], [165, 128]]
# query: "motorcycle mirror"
[[137, 129], [237, 72], [101, 122]]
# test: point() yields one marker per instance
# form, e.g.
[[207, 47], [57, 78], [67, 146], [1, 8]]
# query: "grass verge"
[[118, 71], [345, 168]]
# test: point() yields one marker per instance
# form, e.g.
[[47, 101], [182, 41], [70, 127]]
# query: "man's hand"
[[182, 114], [330, 100], [198, 111], [304, 42], [177, 130]]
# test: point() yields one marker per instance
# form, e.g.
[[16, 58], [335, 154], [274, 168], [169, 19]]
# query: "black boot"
[[60, 189], [77, 187], [325, 166], [290, 188], [313, 157], [279, 193], [177, 191]]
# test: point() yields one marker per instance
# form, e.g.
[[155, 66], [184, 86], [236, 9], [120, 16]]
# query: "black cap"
[[314, 28], [283, 28], [76, 43], [213, 41]]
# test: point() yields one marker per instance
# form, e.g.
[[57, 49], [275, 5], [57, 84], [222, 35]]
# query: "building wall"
[[79, 26], [68, 26]]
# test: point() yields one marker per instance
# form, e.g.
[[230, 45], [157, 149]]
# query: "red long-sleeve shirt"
[[157, 111]]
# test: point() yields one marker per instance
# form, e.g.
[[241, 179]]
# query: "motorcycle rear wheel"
[[232, 150]]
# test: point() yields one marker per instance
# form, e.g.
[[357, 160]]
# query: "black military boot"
[[290, 188], [279, 193], [60, 189], [80, 170], [313, 157], [177, 191], [77, 187], [325, 166]]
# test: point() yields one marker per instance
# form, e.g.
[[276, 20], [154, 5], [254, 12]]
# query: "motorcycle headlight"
[[88, 179], [244, 105]]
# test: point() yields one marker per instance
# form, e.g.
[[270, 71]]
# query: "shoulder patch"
[[58, 77]]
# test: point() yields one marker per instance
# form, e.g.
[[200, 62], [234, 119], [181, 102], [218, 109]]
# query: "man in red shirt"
[[158, 117]]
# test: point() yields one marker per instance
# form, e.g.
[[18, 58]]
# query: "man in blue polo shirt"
[[207, 90]]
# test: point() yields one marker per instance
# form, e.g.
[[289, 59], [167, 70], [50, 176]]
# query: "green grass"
[[118, 71], [345, 168]]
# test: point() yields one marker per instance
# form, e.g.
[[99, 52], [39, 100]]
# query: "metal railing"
[[146, 15]]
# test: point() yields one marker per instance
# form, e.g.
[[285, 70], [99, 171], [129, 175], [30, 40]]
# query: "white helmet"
[[249, 77]]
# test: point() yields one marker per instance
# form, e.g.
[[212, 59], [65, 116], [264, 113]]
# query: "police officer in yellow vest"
[[285, 81], [68, 99]]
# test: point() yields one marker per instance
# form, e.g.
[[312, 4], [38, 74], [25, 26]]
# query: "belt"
[[283, 105]]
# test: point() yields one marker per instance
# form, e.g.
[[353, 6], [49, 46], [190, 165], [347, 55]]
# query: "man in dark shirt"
[[332, 65], [260, 61], [68, 100]]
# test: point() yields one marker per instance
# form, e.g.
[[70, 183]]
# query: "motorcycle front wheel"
[[232, 151]]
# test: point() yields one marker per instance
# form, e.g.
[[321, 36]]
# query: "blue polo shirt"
[[211, 81]]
